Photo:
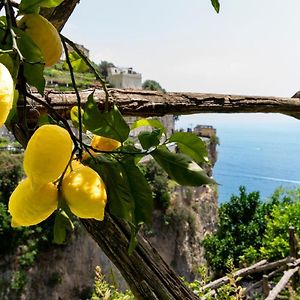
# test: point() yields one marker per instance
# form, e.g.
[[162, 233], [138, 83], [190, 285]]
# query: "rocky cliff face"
[[177, 234], [68, 272]]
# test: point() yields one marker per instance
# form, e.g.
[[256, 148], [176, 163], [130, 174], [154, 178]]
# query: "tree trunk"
[[148, 276]]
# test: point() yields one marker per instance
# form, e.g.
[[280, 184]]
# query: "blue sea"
[[259, 151]]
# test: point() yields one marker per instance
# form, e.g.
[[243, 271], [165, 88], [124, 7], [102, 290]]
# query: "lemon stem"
[[90, 65], [77, 96]]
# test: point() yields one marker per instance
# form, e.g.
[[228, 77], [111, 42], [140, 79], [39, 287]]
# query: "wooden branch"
[[59, 15], [217, 283], [259, 267], [282, 283], [148, 276], [151, 103]]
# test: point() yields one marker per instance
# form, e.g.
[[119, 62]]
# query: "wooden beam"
[[282, 283], [151, 103]]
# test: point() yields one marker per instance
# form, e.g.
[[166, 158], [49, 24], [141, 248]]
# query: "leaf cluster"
[[242, 224]]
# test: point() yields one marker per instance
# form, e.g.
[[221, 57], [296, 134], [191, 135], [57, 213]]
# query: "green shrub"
[[285, 214], [242, 224]]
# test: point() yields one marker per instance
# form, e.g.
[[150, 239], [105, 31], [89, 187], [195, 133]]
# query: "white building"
[[124, 78]]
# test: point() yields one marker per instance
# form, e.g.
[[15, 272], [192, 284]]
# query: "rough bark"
[[150, 103], [59, 15], [148, 276], [282, 283], [259, 267]]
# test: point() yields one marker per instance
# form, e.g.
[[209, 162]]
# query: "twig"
[[77, 96], [11, 22], [57, 116], [87, 61]]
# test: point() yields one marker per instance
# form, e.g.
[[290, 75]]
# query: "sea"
[[258, 151]]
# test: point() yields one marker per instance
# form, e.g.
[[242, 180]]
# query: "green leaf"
[[149, 139], [181, 168], [34, 61], [33, 6], [129, 195], [110, 124], [62, 224], [216, 5], [149, 122], [45, 119], [191, 145], [120, 201], [78, 64], [140, 191]]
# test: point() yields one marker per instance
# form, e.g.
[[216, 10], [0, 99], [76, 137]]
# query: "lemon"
[[29, 206], [85, 193], [104, 144], [47, 154], [75, 164], [6, 93], [44, 35]]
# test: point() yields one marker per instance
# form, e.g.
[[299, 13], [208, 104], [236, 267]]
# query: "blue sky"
[[251, 47]]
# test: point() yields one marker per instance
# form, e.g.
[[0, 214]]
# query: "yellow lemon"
[[6, 93], [85, 193], [75, 164], [104, 144], [29, 206], [47, 154], [44, 35]]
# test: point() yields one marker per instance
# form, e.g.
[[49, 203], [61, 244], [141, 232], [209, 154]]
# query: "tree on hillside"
[[103, 68], [152, 85]]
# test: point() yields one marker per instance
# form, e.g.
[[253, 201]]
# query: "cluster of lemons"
[[46, 157]]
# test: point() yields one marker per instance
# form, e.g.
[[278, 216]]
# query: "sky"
[[249, 48]]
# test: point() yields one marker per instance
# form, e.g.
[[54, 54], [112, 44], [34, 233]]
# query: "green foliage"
[[191, 145], [108, 123], [77, 63], [18, 281], [180, 167], [132, 200], [159, 183], [242, 225], [104, 290], [11, 173], [103, 68], [33, 6], [285, 214], [34, 61], [152, 85], [216, 5]]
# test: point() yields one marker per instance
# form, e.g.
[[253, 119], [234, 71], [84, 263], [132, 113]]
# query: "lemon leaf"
[[34, 61], [120, 200], [148, 122], [181, 168], [216, 5], [149, 139], [140, 191], [33, 6], [78, 64], [191, 145], [62, 224], [109, 124], [132, 200]]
